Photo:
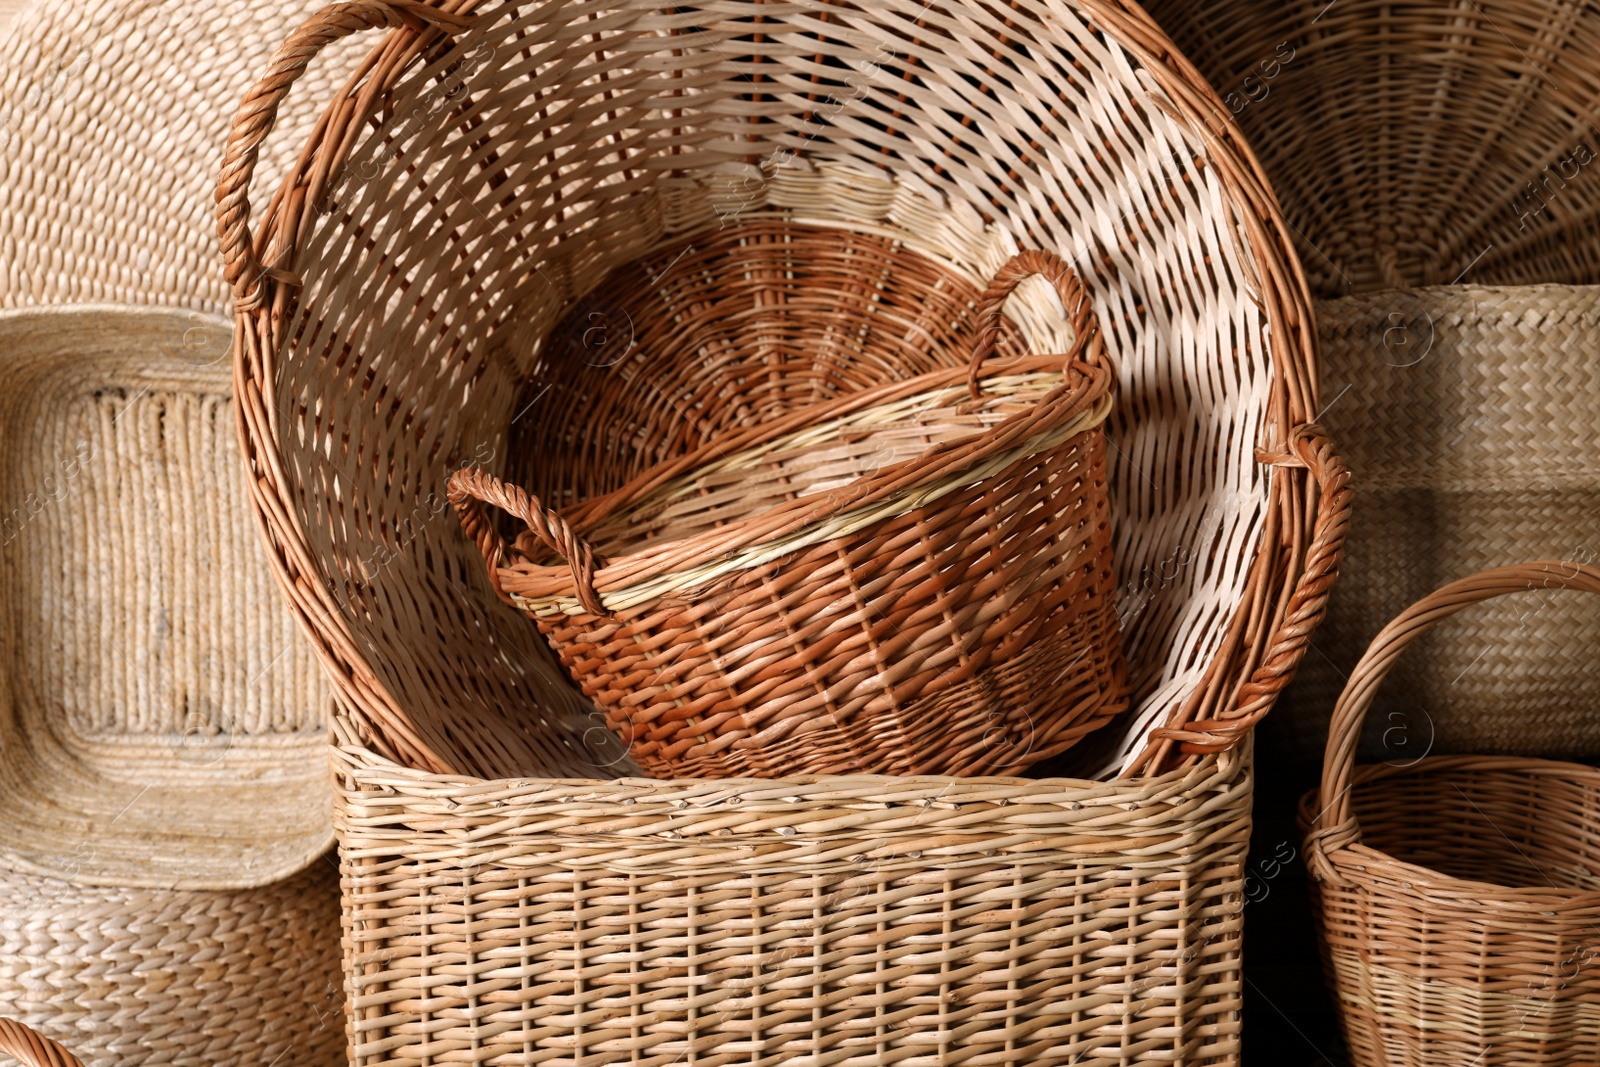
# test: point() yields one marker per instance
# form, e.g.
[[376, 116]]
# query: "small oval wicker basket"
[[910, 579], [1458, 897]]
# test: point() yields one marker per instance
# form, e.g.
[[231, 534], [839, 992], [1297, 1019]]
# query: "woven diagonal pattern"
[[1472, 418], [858, 920], [1416, 144], [177, 979]]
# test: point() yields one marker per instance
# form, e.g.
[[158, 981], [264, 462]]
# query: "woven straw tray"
[[160, 717]]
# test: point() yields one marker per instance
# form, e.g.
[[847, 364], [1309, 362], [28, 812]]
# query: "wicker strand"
[[33, 1049]]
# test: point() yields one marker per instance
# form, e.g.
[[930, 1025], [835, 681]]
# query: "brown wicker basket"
[[1459, 896], [1416, 144], [912, 579]]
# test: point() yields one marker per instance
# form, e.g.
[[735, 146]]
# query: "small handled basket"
[[911, 579], [33, 1049], [1458, 896]]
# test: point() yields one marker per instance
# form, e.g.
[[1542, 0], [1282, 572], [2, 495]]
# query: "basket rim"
[[170, 839], [650, 569], [1286, 576]]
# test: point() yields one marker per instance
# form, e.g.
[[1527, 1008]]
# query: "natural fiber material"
[[111, 112], [1472, 417], [910, 579], [1458, 896], [162, 720], [851, 921], [1416, 144], [457, 203], [32, 1049], [165, 978]]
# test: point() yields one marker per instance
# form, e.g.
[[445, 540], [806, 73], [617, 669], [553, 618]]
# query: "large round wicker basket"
[[1416, 144], [454, 204]]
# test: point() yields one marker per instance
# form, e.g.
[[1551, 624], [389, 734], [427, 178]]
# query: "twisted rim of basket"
[[1283, 600], [1334, 849], [1080, 402], [32, 1048]]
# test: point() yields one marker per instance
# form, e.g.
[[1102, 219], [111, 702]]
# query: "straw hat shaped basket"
[[510, 889], [1459, 896], [1415, 146], [892, 520], [163, 892]]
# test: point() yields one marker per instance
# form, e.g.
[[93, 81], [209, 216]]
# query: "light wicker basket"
[[165, 766], [1458, 896], [449, 211], [1416, 144]]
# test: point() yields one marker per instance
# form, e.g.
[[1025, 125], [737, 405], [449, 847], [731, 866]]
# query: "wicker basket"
[[110, 115], [376, 357], [1416, 144], [177, 978], [1458, 896], [848, 920], [386, 331], [911, 579], [1473, 416]]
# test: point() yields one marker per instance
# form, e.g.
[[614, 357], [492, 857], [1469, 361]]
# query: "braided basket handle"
[[32, 1048], [1069, 287], [1308, 604], [259, 110], [470, 489], [1335, 825]]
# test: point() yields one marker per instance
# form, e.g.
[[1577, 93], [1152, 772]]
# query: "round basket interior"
[[1416, 144], [510, 174], [1509, 822], [162, 720]]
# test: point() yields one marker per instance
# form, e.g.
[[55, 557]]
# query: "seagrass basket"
[[894, 581], [1458, 896], [165, 779], [1472, 415], [460, 200]]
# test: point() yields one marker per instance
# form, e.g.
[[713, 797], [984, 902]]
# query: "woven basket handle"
[[470, 489], [32, 1048], [1308, 603], [1335, 825], [1023, 265], [259, 110]]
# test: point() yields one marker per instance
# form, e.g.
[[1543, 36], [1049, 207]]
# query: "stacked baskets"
[[509, 890], [165, 890], [1436, 160]]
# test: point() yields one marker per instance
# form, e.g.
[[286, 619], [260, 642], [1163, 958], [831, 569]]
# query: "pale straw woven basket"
[[1473, 417], [450, 210], [165, 775], [1459, 896]]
